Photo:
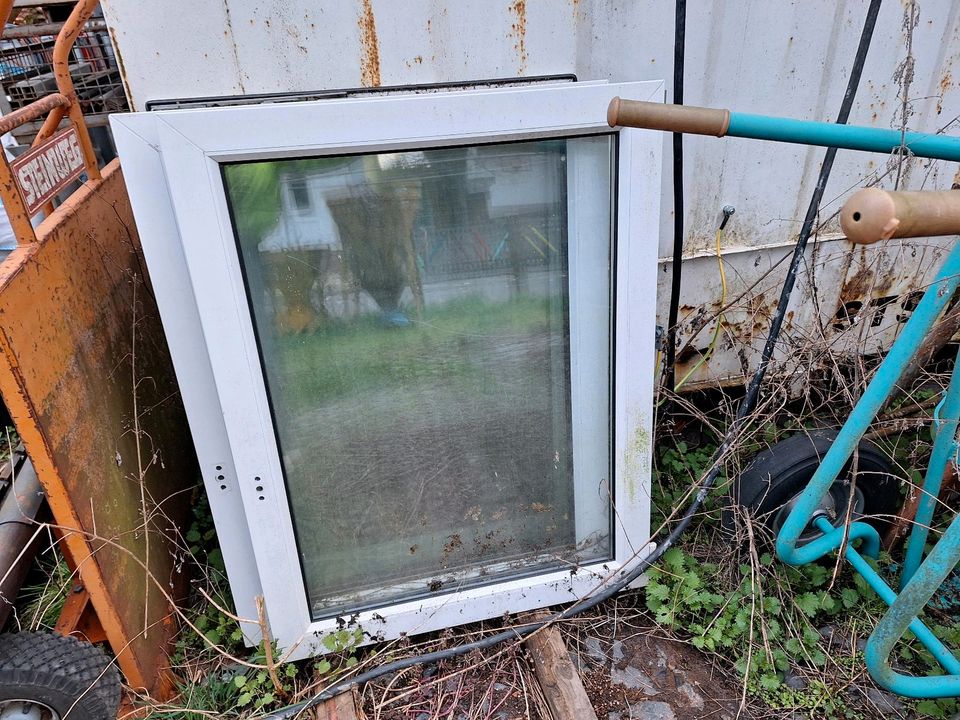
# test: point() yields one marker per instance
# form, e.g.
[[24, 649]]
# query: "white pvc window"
[[435, 375]]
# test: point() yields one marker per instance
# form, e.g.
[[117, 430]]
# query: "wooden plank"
[[341, 707], [561, 683]]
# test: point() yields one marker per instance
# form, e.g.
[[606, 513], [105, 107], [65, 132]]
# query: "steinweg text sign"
[[43, 171]]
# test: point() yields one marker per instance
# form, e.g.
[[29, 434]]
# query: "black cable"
[[746, 406], [19, 522], [676, 269]]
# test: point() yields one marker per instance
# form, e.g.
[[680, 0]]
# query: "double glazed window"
[[428, 343], [415, 334]]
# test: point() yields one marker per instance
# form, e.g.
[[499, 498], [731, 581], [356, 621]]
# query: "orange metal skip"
[[69, 279]]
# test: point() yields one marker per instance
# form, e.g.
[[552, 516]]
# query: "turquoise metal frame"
[[920, 580], [849, 137], [921, 577]]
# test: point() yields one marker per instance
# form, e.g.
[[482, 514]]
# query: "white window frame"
[[211, 336]]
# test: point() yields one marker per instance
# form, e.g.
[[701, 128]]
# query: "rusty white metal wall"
[[781, 58]]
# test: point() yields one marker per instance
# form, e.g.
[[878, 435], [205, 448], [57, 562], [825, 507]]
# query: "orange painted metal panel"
[[86, 375]]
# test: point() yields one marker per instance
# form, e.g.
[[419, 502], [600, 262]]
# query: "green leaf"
[[290, 670], [240, 680], [808, 603], [817, 574], [674, 557], [810, 636], [323, 667], [245, 698], [215, 560], [665, 617], [849, 597], [774, 629], [657, 590], [770, 681], [930, 708]]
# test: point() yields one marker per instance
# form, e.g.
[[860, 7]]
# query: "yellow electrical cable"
[[716, 332]]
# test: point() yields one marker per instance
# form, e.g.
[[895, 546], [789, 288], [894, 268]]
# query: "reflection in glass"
[[416, 313]]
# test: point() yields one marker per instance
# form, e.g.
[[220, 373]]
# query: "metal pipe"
[[710, 121], [41, 29], [944, 451], [61, 71], [901, 616], [872, 214], [50, 124], [934, 300], [18, 117], [17, 512], [930, 641]]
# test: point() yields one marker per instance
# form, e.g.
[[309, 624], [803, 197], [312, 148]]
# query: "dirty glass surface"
[[430, 325]]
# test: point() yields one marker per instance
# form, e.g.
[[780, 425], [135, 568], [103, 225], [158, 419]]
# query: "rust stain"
[[370, 50], [120, 65], [945, 82], [857, 286], [228, 33], [519, 31]]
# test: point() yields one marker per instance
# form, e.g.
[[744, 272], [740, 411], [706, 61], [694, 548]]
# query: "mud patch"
[[650, 677]]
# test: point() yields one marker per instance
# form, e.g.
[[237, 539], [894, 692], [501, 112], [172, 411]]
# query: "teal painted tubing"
[[940, 652], [849, 137], [903, 614], [933, 302], [944, 450]]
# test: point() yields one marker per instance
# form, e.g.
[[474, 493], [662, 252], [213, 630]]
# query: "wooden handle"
[[872, 214], [674, 118]]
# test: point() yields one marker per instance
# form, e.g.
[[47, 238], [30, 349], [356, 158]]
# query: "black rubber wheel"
[[776, 476], [52, 677]]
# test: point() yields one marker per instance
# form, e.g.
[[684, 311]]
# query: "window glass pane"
[[434, 331]]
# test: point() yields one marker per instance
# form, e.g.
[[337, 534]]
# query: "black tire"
[[781, 472], [54, 671]]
